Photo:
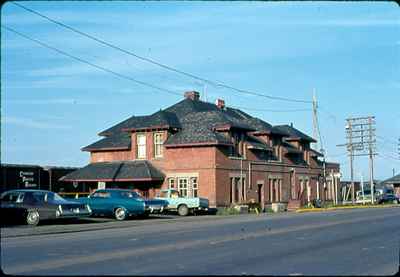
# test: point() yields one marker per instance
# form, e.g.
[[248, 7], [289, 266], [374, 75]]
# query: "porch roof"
[[116, 171]]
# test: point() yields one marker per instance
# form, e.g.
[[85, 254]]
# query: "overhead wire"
[[162, 65], [388, 140], [268, 110], [119, 74], [89, 63]]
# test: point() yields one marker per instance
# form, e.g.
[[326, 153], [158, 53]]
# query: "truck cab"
[[182, 205]]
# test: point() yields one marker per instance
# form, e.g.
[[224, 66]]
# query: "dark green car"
[[121, 203]]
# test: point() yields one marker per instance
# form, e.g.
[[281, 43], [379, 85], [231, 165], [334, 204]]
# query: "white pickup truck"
[[182, 205]]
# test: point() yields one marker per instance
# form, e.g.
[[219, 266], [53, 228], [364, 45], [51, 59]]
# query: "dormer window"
[[141, 146]]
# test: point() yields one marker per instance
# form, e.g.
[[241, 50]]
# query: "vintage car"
[[32, 206], [388, 198], [183, 205], [121, 203]]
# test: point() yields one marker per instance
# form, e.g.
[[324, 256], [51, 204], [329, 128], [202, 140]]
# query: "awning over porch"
[[117, 171]]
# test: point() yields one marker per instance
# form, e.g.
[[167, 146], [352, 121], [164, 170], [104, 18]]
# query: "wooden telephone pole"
[[361, 141]]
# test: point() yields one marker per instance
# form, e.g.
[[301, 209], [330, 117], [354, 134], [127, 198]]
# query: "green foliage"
[[227, 211], [269, 210]]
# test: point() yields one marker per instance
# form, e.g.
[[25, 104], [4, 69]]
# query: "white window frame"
[[183, 190], [194, 185], [158, 144], [171, 183], [141, 147]]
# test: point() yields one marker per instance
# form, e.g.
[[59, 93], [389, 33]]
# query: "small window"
[[171, 183], [163, 194], [40, 196], [158, 143], [193, 181], [13, 197], [141, 146], [183, 187], [129, 194]]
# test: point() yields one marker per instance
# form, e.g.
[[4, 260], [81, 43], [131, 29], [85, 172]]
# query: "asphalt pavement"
[[346, 242]]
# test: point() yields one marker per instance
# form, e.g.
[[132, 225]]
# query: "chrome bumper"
[[155, 208]]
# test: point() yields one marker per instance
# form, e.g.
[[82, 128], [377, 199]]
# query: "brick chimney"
[[193, 95], [220, 103]]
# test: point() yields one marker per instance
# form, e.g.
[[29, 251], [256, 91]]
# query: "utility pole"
[[349, 145], [371, 121], [361, 141], [315, 125], [319, 141], [362, 187]]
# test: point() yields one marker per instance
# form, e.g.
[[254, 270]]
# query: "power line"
[[167, 67], [387, 140], [90, 63], [267, 110], [381, 155]]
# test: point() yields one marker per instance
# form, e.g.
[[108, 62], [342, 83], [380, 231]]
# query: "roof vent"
[[220, 103], [193, 95]]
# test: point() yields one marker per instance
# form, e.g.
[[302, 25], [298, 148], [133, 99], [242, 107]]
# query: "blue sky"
[[51, 105]]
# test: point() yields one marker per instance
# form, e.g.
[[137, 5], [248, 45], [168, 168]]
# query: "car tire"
[[183, 210], [32, 218], [120, 214]]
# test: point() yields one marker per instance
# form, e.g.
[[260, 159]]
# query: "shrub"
[[227, 211]]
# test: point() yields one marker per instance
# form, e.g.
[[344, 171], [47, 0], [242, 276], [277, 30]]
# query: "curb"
[[311, 210]]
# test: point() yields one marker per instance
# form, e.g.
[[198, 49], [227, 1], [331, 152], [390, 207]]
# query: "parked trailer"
[[24, 176]]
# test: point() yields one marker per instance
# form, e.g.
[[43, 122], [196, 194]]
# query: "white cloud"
[[30, 123]]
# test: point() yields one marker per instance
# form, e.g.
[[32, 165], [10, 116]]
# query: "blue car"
[[121, 203]]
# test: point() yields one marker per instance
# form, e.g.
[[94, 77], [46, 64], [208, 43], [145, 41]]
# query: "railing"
[[73, 194]]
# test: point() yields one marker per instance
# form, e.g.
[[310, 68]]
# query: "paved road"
[[350, 242]]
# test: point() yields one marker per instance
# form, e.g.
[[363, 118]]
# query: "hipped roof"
[[138, 170]]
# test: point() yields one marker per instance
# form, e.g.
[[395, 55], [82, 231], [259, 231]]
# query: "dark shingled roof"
[[197, 122], [393, 180], [115, 141], [197, 128], [159, 119], [138, 170], [294, 133]]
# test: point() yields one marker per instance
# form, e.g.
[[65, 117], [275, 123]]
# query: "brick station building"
[[208, 150]]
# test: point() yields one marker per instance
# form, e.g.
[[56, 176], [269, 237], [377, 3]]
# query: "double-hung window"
[[171, 183], [183, 187], [158, 143], [141, 146], [195, 187]]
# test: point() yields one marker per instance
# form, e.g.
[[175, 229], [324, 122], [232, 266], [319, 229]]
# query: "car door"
[[99, 202], [39, 202]]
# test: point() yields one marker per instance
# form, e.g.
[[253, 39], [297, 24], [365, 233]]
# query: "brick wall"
[[214, 170]]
